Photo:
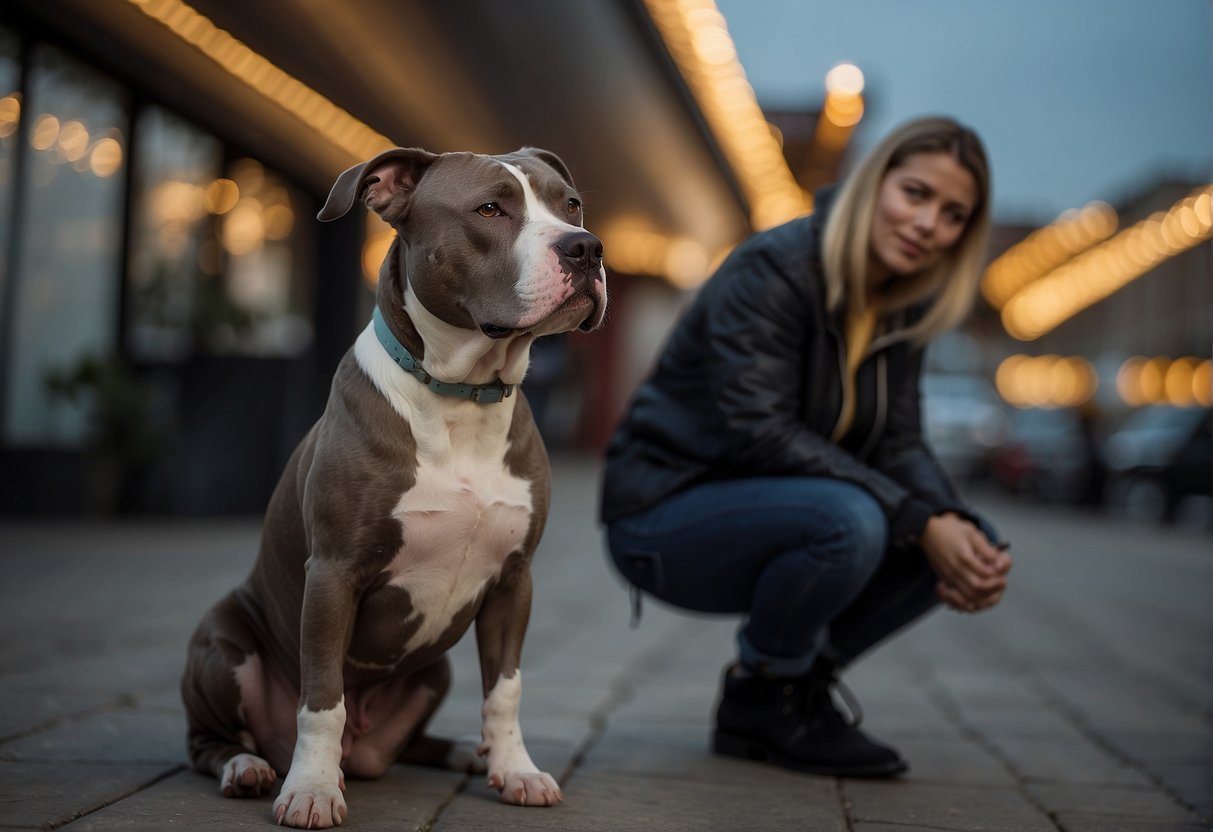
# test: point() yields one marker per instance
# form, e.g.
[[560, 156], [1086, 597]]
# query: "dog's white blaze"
[[316, 764], [542, 283], [466, 513], [500, 730], [463, 517]]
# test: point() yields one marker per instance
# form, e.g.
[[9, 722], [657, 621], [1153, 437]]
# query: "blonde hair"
[[845, 249]]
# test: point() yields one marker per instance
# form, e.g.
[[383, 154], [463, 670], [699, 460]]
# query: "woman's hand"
[[972, 572]]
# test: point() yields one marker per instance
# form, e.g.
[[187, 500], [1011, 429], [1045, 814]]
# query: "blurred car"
[[1046, 453], [1160, 462], [964, 421]]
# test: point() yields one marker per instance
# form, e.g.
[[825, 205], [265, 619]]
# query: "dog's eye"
[[574, 205], [489, 209]]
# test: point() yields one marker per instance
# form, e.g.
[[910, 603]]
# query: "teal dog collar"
[[483, 393]]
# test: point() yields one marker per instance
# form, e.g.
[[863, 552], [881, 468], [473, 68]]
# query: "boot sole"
[[730, 745]]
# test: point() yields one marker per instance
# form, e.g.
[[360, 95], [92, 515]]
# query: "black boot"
[[793, 722]]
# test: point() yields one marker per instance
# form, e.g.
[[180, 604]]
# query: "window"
[[67, 271], [211, 256], [172, 261], [213, 266], [265, 297], [10, 119]]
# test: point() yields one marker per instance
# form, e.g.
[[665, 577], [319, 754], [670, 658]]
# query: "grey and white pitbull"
[[414, 504]]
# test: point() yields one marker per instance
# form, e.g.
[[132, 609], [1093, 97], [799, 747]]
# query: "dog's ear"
[[551, 160], [384, 183]]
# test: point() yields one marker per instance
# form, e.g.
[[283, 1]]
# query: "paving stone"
[[900, 724], [1094, 645], [952, 761], [675, 752], [161, 700], [610, 802], [26, 710], [405, 798], [1109, 700], [1019, 721], [681, 750], [1067, 761], [1181, 760], [92, 677], [1077, 822], [900, 711], [1141, 804], [111, 737], [677, 702], [972, 688], [1192, 783], [1191, 745], [970, 808], [37, 794]]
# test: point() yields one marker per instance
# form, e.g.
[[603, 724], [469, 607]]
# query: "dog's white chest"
[[464, 516]]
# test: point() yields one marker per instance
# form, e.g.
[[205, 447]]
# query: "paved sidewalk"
[[1084, 703]]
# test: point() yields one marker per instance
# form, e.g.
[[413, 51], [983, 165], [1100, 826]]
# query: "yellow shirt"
[[859, 329]]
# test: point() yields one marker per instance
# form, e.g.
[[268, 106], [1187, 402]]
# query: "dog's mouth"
[[594, 318], [579, 310]]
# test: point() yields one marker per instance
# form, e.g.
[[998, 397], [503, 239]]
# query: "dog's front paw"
[[526, 788], [246, 775], [310, 805]]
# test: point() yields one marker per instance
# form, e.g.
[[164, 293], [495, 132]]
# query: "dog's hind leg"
[[222, 670], [440, 752], [396, 715]]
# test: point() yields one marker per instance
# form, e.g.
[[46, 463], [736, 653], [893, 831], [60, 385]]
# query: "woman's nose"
[[926, 220]]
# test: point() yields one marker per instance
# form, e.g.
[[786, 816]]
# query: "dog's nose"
[[581, 250]]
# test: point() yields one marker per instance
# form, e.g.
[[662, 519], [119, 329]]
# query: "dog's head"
[[491, 243]]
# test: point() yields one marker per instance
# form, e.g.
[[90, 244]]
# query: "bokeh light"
[[1179, 382], [1046, 380], [1061, 293]]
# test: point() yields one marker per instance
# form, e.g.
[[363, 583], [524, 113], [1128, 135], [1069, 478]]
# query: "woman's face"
[[922, 209]]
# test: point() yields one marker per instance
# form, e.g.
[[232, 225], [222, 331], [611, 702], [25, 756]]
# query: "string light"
[[1046, 381], [1045, 249], [10, 114], [1180, 382], [319, 113], [698, 39], [843, 107], [1094, 275]]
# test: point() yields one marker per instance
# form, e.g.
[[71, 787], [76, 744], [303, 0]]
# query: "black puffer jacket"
[[750, 384]]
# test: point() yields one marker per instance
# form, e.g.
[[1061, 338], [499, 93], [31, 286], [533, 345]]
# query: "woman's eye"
[[489, 209], [574, 205]]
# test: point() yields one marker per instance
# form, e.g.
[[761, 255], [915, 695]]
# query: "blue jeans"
[[807, 558]]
